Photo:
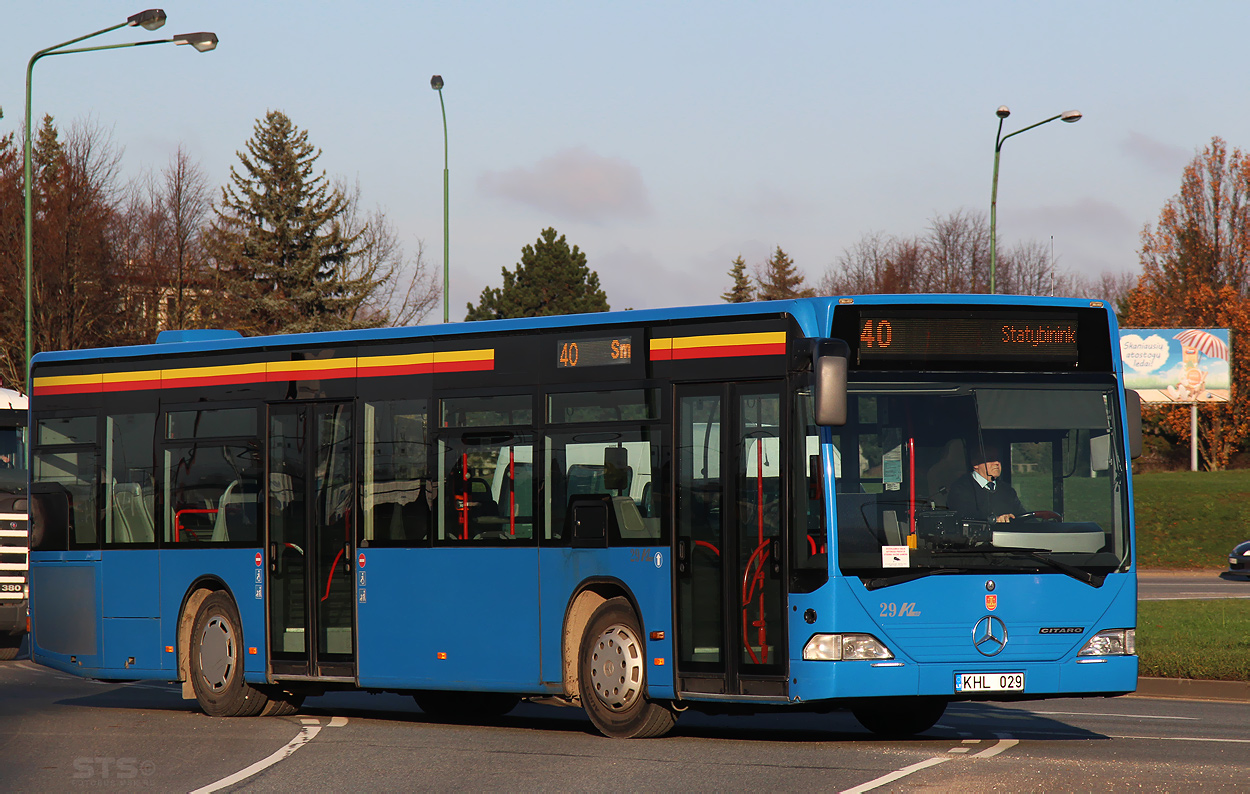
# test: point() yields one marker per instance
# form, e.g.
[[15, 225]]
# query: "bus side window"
[[487, 488], [398, 490], [65, 462]]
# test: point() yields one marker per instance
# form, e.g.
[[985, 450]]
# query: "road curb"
[[1193, 689]]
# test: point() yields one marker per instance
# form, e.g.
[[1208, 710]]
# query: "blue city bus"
[[734, 509]]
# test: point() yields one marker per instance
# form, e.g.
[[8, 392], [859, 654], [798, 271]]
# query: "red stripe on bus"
[[310, 374], [463, 366], [76, 388], [212, 380], [399, 369]]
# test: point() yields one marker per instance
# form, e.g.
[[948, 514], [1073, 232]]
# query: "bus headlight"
[[844, 647], [1111, 642]]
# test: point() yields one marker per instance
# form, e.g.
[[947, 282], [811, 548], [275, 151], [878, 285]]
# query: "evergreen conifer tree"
[[278, 241], [779, 279], [550, 279], [741, 291]]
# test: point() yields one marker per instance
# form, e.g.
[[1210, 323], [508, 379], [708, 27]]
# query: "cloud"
[[1087, 216], [1160, 157], [576, 184]]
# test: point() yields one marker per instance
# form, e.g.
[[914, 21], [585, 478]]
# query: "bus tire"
[[217, 661], [465, 707], [897, 718], [281, 703], [9, 646], [612, 676]]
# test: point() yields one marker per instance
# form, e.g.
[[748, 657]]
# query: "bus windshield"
[[981, 476], [12, 451]]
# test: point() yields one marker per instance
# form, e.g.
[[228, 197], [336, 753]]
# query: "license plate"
[[989, 682]]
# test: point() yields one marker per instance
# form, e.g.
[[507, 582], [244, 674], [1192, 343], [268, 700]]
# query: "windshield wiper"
[[1043, 556], [910, 576]]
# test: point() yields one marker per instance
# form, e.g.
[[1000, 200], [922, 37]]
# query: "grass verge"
[[1194, 639], [1190, 519]]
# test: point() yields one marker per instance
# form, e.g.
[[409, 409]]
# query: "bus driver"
[[979, 494]]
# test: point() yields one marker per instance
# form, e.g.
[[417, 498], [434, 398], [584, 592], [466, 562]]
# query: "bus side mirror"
[[1132, 408], [830, 361]]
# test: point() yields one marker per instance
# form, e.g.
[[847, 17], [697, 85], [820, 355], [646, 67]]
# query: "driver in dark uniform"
[[979, 494]]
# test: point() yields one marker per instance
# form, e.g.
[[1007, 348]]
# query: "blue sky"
[[666, 138]]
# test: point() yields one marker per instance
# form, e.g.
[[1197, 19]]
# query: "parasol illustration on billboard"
[[1177, 365]]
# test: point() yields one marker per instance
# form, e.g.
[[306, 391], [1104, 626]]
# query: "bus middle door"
[[311, 502], [731, 595]]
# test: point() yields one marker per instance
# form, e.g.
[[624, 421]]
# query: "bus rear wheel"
[[217, 661], [612, 676], [900, 717], [9, 646]]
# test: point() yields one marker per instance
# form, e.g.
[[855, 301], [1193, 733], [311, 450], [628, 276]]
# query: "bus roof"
[[811, 313]]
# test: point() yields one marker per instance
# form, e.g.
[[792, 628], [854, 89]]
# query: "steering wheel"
[[1040, 515]]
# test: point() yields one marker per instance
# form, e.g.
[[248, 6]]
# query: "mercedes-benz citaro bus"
[[737, 508]]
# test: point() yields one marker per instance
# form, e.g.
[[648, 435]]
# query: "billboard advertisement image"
[[1177, 365]]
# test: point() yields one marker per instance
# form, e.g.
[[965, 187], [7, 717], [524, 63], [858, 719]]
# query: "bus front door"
[[310, 546], [731, 598]]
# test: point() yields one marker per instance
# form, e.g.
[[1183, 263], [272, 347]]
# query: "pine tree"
[[741, 291], [550, 279], [278, 240], [779, 279]]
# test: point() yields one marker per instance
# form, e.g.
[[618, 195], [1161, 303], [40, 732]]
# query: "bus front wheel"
[[612, 676], [217, 661], [900, 717]]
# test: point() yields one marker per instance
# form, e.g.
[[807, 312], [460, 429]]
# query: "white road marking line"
[[1004, 743], [958, 750], [337, 722], [1126, 716], [897, 775], [972, 741], [1183, 739], [310, 721], [306, 735]]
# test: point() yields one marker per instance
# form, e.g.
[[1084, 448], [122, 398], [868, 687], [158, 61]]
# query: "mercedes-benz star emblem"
[[989, 636]]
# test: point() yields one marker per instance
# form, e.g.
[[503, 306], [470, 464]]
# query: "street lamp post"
[[1003, 112], [436, 82], [150, 19]]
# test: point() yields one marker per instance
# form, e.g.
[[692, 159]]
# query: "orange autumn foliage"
[[1195, 264]]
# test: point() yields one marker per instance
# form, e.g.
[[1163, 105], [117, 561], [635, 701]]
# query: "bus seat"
[[889, 525], [132, 522], [414, 520], [630, 520], [221, 533], [281, 490]]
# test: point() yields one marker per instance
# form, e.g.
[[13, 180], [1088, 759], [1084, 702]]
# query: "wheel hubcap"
[[217, 653], [616, 668]]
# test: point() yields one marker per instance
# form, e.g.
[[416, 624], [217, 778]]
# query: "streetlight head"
[[201, 41], [1003, 111], [436, 82], [1070, 116], [151, 19]]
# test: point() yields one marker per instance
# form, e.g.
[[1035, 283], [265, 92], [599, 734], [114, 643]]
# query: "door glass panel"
[[332, 527], [758, 489], [288, 546], [699, 534]]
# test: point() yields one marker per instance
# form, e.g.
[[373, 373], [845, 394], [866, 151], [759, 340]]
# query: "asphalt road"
[[59, 733], [1172, 585]]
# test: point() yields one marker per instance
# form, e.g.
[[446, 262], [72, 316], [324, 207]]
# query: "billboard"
[[1177, 365]]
